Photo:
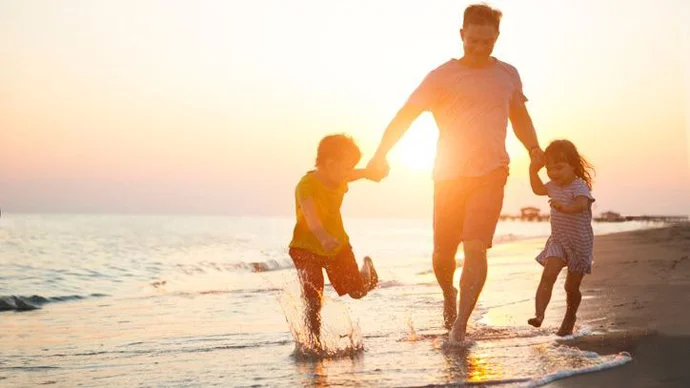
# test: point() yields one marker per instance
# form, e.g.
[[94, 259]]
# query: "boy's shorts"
[[342, 269]]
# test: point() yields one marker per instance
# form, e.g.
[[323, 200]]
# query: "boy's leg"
[[312, 288], [346, 277], [310, 275], [313, 292], [370, 277], [552, 268], [572, 289]]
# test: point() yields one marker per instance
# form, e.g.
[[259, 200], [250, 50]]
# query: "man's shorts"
[[468, 209], [342, 269]]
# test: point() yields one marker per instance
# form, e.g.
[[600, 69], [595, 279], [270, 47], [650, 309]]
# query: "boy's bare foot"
[[457, 333], [536, 321], [450, 308], [567, 326], [373, 276]]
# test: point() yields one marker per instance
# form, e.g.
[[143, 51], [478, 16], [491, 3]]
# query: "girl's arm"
[[535, 181], [581, 204]]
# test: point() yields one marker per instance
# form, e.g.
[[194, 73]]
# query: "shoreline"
[[636, 301]]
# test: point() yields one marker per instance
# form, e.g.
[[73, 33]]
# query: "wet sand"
[[640, 286]]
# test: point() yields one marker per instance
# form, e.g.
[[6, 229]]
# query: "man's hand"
[[536, 156], [377, 169], [536, 164]]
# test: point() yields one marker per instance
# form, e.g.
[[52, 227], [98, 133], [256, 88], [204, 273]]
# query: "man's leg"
[[482, 209], [471, 283], [444, 269], [448, 221]]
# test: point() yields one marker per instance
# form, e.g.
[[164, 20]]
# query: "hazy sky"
[[217, 106]]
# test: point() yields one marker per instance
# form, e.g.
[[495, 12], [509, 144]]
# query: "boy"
[[319, 239]]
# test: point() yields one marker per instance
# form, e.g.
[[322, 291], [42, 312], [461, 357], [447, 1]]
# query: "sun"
[[417, 149]]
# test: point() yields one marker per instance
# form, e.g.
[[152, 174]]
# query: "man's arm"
[[523, 127], [397, 128]]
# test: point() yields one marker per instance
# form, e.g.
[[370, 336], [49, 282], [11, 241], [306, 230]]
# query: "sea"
[[199, 301]]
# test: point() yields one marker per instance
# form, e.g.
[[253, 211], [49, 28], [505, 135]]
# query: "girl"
[[571, 241]]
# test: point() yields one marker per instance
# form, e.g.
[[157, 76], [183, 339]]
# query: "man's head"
[[480, 28]]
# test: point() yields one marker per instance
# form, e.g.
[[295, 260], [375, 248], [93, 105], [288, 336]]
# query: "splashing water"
[[340, 336]]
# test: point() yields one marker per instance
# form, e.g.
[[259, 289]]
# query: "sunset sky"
[[216, 107]]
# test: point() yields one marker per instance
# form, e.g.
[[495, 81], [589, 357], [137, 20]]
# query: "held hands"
[[377, 169], [537, 161]]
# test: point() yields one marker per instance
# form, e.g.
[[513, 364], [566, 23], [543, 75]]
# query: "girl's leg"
[[572, 289], [552, 268]]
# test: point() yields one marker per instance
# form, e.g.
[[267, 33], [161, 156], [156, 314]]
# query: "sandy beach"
[[641, 286]]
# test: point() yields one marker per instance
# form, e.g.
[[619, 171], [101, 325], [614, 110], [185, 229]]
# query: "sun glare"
[[417, 149]]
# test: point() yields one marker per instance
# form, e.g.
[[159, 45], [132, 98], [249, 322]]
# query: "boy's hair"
[[338, 147], [481, 14], [565, 151]]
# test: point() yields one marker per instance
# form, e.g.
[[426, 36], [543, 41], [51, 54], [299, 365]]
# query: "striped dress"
[[572, 238]]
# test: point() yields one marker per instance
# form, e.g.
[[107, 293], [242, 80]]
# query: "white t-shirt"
[[471, 108]]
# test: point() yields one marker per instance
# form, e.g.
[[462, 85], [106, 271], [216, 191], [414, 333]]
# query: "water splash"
[[340, 335], [412, 334]]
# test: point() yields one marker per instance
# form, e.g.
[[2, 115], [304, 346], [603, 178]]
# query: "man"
[[471, 99]]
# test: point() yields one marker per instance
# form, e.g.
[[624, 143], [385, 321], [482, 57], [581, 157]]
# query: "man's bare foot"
[[567, 326], [373, 276], [457, 333], [450, 308], [536, 321]]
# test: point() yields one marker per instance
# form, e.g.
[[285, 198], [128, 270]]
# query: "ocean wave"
[[34, 302], [256, 266], [606, 362], [390, 284]]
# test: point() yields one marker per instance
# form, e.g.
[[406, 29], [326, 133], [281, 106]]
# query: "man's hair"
[[481, 14], [338, 148]]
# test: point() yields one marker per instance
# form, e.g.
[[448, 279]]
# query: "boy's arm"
[[535, 181], [327, 241], [360, 173]]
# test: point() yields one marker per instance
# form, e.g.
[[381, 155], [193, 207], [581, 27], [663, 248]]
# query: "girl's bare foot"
[[567, 326], [536, 321]]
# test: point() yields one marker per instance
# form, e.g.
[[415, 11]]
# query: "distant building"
[[530, 214], [610, 216]]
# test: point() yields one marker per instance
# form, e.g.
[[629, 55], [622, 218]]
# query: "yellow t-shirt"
[[327, 202]]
